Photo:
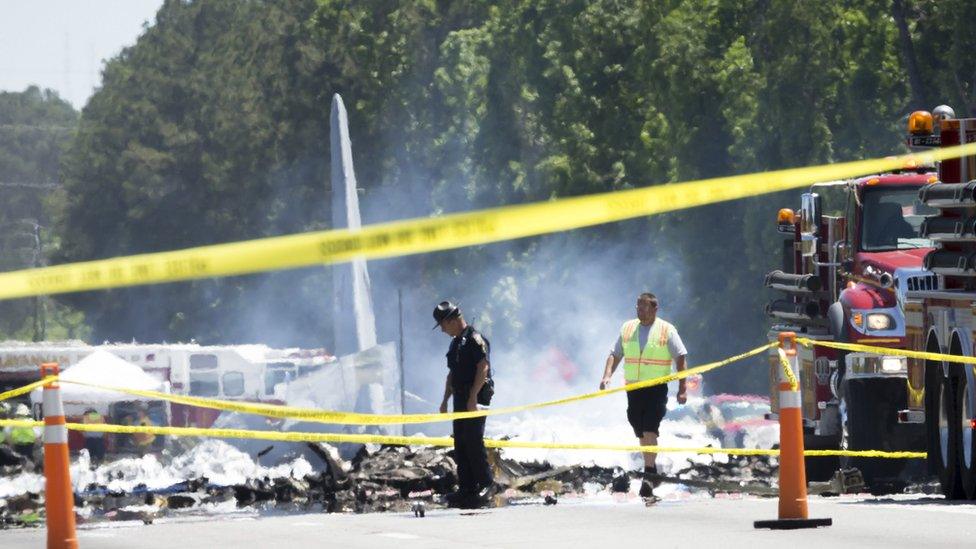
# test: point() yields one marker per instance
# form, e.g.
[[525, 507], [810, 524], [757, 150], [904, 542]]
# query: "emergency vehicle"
[[940, 314], [849, 255]]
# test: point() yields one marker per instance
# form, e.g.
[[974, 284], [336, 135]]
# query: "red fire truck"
[[940, 318], [849, 256]]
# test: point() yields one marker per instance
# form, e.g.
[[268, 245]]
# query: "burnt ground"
[[396, 479]]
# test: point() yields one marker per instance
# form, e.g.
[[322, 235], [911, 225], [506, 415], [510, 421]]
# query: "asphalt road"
[[906, 521]]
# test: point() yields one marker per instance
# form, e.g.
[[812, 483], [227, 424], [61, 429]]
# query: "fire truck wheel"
[[965, 409], [820, 469], [869, 409], [935, 437], [950, 435]]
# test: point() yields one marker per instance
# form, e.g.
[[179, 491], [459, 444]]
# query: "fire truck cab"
[[849, 254]]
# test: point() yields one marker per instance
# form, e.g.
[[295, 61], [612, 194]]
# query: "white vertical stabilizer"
[[354, 324]]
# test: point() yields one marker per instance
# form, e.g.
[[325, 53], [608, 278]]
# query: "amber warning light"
[[785, 220], [920, 123], [920, 129]]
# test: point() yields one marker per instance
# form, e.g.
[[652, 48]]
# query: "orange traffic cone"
[[58, 496], [792, 475]]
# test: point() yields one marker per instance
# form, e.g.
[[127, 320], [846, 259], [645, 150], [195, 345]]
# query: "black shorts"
[[646, 408]]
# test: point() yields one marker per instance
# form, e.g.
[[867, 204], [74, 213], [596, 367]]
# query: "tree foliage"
[[213, 127], [35, 127]]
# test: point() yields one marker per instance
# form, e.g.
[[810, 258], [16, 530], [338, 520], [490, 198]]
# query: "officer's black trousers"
[[96, 448], [9, 457], [474, 473], [26, 450]]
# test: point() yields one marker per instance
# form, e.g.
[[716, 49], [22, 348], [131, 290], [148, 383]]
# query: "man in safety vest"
[[647, 345], [94, 441], [7, 455], [22, 439]]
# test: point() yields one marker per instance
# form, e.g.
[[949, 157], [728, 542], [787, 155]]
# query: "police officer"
[[647, 344], [469, 382], [144, 441], [94, 441]]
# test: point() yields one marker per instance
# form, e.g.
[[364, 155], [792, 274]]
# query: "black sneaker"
[[472, 501], [458, 499], [646, 489]]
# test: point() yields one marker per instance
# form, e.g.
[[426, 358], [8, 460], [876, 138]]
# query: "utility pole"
[[403, 381], [40, 318]]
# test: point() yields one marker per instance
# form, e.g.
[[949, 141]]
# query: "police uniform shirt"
[[466, 351]]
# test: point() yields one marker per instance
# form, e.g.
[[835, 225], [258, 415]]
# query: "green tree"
[[210, 129], [213, 127], [940, 35], [35, 127]]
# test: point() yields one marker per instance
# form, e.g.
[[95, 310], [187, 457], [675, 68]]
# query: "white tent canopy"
[[102, 368]]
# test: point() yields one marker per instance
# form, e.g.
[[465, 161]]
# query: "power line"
[[25, 185], [51, 127]]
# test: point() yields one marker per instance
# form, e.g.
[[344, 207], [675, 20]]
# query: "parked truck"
[[940, 318], [850, 254], [229, 372]]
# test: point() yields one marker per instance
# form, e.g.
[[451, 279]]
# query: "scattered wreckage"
[[377, 479], [396, 479]]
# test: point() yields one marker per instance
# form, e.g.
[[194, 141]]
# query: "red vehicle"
[[743, 421], [850, 254], [941, 315]]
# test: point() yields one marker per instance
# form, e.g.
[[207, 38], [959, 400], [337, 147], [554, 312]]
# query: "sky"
[[62, 44]]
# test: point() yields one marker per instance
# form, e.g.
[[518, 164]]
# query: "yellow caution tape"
[[787, 370], [891, 351], [445, 232], [280, 436], [352, 418], [26, 388], [379, 419], [866, 454], [20, 423]]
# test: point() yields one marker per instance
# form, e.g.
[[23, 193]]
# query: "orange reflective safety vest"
[[654, 360]]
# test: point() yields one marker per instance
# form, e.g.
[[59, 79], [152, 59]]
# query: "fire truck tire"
[[836, 316], [950, 478], [965, 409], [838, 329], [820, 469], [869, 422], [933, 435]]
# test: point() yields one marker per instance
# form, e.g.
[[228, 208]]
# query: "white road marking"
[[397, 535]]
